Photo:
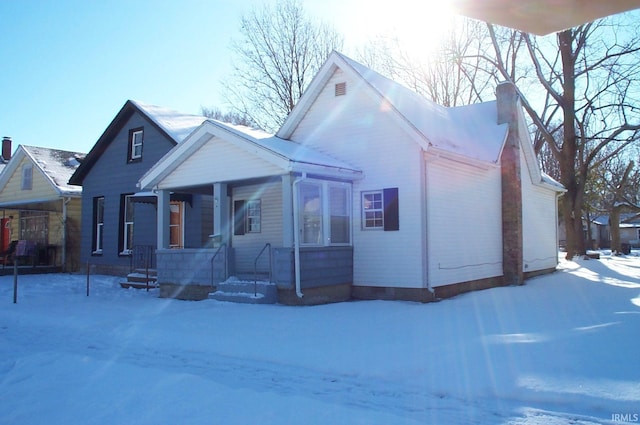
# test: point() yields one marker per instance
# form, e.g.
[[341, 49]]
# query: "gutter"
[[296, 234]]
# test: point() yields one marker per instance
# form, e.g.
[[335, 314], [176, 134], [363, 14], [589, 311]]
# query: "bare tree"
[[228, 117], [588, 77], [279, 51], [449, 77]]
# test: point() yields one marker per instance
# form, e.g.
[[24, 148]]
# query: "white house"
[[367, 191]]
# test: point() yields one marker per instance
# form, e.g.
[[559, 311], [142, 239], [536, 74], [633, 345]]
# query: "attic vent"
[[341, 89]]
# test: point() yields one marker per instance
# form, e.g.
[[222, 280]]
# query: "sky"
[[68, 66]]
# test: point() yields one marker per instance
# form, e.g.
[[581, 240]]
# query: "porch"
[[326, 273]]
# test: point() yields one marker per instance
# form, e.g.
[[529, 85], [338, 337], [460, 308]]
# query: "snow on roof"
[[176, 124], [550, 180], [287, 149], [57, 165], [602, 220], [469, 130]]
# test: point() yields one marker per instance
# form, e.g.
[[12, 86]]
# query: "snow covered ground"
[[564, 348]]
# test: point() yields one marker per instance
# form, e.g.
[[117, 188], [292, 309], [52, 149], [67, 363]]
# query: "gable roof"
[[55, 165], [471, 131], [288, 155], [176, 126], [455, 130]]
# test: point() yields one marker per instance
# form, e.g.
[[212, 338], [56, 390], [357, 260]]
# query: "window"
[[311, 213], [380, 209], [325, 213], [98, 224], [247, 216], [372, 211], [126, 224], [27, 177], [136, 136], [253, 216], [339, 214], [34, 226]]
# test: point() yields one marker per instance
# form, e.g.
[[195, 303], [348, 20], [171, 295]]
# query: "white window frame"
[[128, 225], [99, 205], [334, 213], [325, 212], [27, 177], [366, 209], [137, 137], [254, 216]]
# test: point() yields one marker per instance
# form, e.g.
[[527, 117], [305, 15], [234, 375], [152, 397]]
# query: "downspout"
[[426, 218], [63, 259], [296, 234]]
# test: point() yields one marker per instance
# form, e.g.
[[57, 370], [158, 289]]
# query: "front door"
[[176, 224]]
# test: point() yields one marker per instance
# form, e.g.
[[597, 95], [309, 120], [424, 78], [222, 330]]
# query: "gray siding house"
[[119, 221]]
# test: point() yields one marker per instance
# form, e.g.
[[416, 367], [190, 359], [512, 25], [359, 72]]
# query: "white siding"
[[464, 222], [540, 218], [358, 129], [248, 246], [218, 161]]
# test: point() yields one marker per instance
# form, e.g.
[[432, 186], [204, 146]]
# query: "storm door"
[[176, 224]]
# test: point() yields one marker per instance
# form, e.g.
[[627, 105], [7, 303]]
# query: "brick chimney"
[[512, 233], [6, 148]]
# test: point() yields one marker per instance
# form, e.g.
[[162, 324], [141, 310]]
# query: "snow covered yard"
[[564, 348]]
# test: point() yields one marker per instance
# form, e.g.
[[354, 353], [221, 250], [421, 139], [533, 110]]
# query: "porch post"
[[163, 219], [287, 211], [221, 212]]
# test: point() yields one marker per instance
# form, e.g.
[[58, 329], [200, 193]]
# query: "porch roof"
[[282, 155], [287, 149]]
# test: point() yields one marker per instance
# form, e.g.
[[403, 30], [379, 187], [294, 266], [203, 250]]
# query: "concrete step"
[[138, 279], [141, 277], [138, 285], [245, 291]]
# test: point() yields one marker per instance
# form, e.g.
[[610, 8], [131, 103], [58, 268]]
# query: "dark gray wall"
[[319, 267], [111, 176]]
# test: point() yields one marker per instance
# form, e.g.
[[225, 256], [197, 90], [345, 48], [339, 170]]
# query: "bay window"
[[325, 213]]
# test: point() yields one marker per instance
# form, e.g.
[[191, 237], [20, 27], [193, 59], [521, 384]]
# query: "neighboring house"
[[40, 207], [630, 229], [600, 235], [5, 152], [367, 191], [118, 221], [5, 233], [600, 232]]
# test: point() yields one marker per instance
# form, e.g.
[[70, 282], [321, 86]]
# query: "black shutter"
[[391, 209], [121, 224], [238, 218], [94, 235]]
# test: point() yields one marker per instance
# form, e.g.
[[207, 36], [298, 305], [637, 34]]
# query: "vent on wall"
[[341, 89]]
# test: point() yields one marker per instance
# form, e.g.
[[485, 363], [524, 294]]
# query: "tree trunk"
[[568, 153], [614, 223]]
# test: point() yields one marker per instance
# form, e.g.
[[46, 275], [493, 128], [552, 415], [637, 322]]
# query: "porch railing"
[[142, 257], [267, 246], [218, 251]]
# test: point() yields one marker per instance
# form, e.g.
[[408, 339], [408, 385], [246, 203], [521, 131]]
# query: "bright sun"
[[419, 26]]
